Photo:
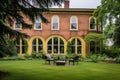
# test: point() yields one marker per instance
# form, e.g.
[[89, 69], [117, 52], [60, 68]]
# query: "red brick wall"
[[64, 26]]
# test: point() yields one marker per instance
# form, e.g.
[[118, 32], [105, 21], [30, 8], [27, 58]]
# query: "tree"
[[69, 48], [93, 37], [109, 30], [109, 13], [10, 10]]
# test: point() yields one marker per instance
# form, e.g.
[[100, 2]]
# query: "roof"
[[71, 10]]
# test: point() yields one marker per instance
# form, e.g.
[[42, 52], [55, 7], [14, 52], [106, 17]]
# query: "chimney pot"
[[66, 4]]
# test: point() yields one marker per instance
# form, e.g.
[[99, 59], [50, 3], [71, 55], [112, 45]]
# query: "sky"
[[84, 3]]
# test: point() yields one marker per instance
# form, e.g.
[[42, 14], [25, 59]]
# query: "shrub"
[[96, 57], [118, 59], [13, 58], [27, 56], [38, 55], [59, 57], [112, 52], [69, 49], [33, 54]]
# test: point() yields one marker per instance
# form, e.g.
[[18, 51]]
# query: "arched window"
[[92, 23], [76, 46], [95, 46], [37, 45], [38, 23], [74, 23], [55, 23], [55, 45], [21, 46]]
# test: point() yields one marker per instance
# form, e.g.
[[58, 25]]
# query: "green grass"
[[38, 70]]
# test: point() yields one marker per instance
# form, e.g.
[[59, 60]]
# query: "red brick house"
[[65, 24]]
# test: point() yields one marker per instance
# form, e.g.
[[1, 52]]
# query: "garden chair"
[[74, 59], [49, 59]]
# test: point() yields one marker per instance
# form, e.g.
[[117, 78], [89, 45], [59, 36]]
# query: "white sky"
[[84, 3]]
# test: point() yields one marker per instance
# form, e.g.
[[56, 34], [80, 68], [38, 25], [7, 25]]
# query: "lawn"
[[38, 70]]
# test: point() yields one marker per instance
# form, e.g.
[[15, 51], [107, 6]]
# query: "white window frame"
[[15, 26], [35, 28], [76, 23], [52, 22], [90, 23]]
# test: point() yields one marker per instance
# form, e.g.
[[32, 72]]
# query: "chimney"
[[66, 4]]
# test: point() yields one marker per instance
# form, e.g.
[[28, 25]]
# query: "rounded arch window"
[[55, 45], [21, 46], [76, 46], [37, 45]]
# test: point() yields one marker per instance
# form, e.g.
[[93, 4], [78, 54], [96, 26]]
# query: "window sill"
[[18, 29], [55, 29], [37, 29], [73, 29]]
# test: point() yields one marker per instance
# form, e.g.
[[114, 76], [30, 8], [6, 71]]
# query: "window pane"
[[79, 49], [39, 48], [73, 23], [23, 46], [61, 49], [49, 46], [55, 26], [34, 45], [49, 49], [73, 20], [50, 42], [38, 20], [78, 46], [34, 42], [61, 42], [73, 48], [55, 23], [73, 42], [55, 49], [38, 26], [38, 23], [56, 40], [73, 26], [34, 48], [55, 19], [18, 45], [78, 42], [23, 49], [18, 41], [39, 42], [17, 25]]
